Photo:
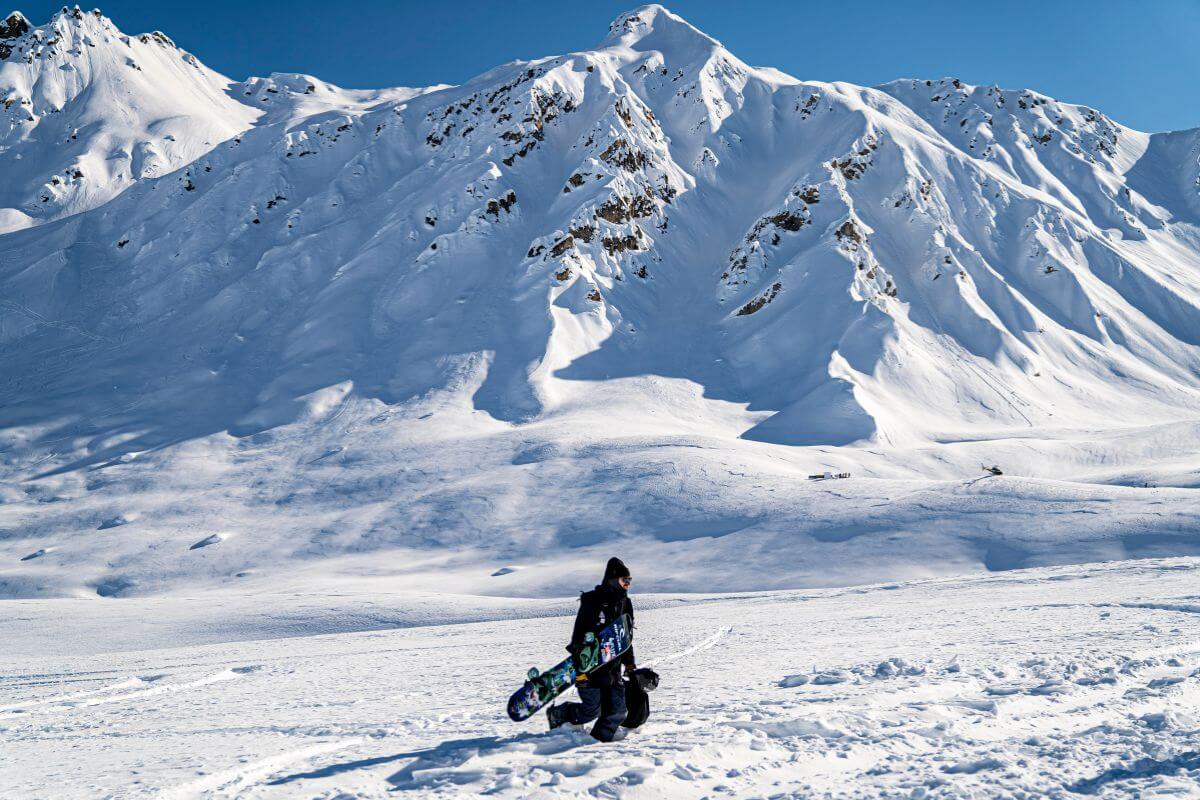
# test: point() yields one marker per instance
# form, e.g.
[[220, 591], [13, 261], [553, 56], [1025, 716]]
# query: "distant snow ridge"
[[468, 312]]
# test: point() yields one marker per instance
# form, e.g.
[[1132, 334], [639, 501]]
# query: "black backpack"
[[637, 699]]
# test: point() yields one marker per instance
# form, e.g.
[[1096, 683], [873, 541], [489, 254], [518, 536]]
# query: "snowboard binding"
[[589, 654]]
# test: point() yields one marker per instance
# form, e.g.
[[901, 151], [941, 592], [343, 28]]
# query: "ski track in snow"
[[87, 699], [229, 783], [1061, 682], [704, 645], [67, 698]]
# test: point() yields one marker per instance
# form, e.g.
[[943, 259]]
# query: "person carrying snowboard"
[[601, 692]]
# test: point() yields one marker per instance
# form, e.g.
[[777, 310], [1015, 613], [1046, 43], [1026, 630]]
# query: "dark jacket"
[[597, 608]]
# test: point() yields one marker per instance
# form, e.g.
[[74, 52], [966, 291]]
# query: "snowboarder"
[[601, 692]]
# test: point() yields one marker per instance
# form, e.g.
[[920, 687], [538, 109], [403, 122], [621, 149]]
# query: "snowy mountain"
[[88, 111], [629, 298]]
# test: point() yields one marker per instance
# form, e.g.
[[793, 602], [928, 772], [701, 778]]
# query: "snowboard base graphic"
[[542, 687]]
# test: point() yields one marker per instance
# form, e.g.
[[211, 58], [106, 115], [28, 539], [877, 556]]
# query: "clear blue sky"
[[1136, 60]]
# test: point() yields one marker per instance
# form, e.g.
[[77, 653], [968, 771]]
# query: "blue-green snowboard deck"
[[610, 644]]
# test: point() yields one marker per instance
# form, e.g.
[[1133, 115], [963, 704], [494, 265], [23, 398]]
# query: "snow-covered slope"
[[628, 297], [1060, 682]]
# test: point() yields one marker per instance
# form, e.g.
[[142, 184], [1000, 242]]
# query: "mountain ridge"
[[433, 322]]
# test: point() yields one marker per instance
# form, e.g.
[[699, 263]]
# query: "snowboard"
[[598, 649]]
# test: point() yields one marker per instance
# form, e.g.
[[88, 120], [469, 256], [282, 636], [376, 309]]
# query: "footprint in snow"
[[819, 679], [830, 678], [1050, 688], [895, 667], [891, 668], [971, 767], [216, 538]]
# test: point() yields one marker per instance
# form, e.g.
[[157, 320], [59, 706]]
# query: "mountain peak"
[[86, 111], [74, 14], [655, 27], [13, 25], [16, 25]]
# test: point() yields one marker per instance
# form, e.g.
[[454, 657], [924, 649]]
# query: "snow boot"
[[554, 716]]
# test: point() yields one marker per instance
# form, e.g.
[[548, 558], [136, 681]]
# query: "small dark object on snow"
[[646, 679], [637, 699], [995, 470], [828, 476]]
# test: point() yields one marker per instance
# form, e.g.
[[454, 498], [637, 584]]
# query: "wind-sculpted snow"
[[636, 294]]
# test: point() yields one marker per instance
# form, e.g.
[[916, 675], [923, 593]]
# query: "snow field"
[[1061, 682], [446, 500]]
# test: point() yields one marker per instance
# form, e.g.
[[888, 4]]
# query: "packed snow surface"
[[1053, 682]]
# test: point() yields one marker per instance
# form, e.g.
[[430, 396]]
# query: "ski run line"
[[696, 648], [129, 683], [1170, 650], [65, 703], [230, 782]]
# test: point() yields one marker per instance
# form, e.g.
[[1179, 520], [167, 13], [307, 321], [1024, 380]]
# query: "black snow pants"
[[605, 704]]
